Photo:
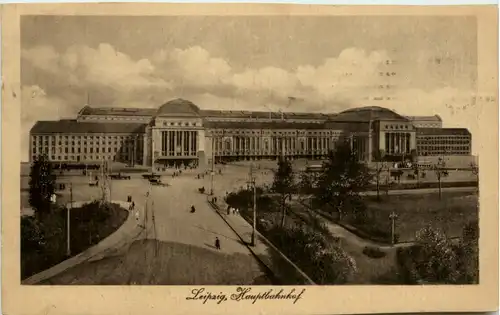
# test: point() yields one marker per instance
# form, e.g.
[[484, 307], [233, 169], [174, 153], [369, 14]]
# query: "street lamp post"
[[68, 240], [393, 216], [212, 169], [251, 184]]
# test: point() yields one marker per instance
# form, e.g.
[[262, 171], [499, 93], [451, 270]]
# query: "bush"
[[373, 252], [435, 259], [43, 238], [323, 262]]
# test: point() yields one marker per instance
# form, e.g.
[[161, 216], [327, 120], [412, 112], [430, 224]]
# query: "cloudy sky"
[[416, 65]]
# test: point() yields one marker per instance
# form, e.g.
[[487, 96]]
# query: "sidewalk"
[[129, 230], [276, 262]]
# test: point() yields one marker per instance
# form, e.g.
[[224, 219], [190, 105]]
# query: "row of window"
[[85, 137], [440, 142], [96, 143], [422, 138], [254, 144], [187, 124], [442, 152], [438, 148], [85, 157], [397, 127], [79, 150], [283, 133], [420, 125]]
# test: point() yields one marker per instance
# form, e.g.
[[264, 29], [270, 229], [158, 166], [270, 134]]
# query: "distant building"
[[426, 121], [179, 132]]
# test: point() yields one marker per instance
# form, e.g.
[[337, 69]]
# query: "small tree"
[[439, 169], [283, 184], [380, 167], [342, 179], [41, 185]]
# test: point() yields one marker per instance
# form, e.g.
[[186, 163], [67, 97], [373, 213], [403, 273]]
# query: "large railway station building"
[[180, 133]]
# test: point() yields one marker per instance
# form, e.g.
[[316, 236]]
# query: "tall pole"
[[254, 225], [212, 168], [393, 217], [68, 240], [152, 152]]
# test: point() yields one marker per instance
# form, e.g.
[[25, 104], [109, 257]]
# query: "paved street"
[[183, 252]]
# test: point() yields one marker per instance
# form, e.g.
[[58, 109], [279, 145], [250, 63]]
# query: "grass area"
[[450, 213], [377, 265], [43, 239], [151, 262]]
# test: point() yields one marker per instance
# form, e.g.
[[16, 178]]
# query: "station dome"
[[178, 107], [368, 113]]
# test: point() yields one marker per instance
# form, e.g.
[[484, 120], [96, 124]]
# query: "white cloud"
[[103, 66], [346, 80], [37, 105]]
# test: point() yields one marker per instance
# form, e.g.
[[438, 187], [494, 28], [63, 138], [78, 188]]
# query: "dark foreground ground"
[[150, 262]]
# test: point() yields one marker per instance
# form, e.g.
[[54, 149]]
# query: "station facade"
[[180, 133]]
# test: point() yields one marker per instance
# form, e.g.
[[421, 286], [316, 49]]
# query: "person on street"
[[193, 209], [217, 243], [137, 216]]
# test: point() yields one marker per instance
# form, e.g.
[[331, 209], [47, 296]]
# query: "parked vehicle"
[[119, 176], [157, 182], [151, 176]]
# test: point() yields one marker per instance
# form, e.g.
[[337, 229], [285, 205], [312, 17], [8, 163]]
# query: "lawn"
[[450, 213]]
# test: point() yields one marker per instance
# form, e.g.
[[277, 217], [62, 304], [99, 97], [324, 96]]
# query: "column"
[[175, 142], [169, 141], [389, 143], [183, 140], [405, 137], [408, 142], [190, 142], [393, 143]]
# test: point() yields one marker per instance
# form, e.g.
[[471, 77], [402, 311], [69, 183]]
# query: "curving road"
[[177, 247]]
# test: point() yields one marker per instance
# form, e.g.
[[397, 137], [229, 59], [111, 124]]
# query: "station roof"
[[261, 114], [262, 125], [366, 114], [425, 118], [178, 107], [347, 126], [443, 131], [72, 126], [117, 111]]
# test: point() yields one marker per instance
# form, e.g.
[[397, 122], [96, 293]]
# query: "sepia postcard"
[[244, 158]]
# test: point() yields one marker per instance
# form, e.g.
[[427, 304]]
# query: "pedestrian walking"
[[217, 243], [137, 216], [228, 210]]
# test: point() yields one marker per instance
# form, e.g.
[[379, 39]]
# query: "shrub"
[[373, 252], [323, 262], [435, 259]]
